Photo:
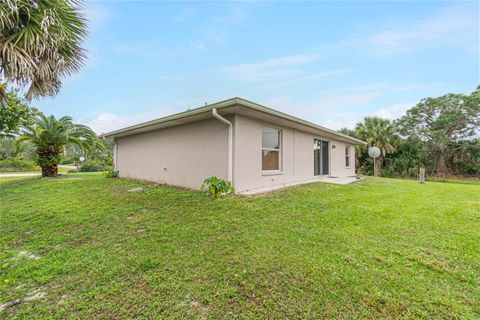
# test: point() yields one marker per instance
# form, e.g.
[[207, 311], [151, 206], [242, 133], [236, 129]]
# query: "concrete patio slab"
[[327, 179]]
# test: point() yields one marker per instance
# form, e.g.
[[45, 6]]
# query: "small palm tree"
[[40, 42], [380, 133], [50, 135]]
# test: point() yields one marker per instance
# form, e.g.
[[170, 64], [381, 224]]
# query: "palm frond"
[[40, 42]]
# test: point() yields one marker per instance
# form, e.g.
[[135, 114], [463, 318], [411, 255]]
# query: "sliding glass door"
[[320, 157]]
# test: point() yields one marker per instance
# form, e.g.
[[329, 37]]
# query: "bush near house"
[[216, 187], [112, 174], [93, 166]]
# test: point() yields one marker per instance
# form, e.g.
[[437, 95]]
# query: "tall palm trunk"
[[50, 171], [48, 159], [378, 166]]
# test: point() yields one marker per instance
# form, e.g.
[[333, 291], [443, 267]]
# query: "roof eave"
[[224, 104], [218, 105], [262, 108]]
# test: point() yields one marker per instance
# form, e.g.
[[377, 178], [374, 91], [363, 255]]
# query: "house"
[[253, 146]]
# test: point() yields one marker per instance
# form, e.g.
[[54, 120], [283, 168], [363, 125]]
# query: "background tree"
[[378, 132], [50, 136], [442, 122], [14, 113], [10, 149], [409, 156], [40, 42], [464, 157]]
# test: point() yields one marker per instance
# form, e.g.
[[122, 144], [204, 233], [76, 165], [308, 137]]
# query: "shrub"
[[67, 161], [216, 187], [111, 174], [17, 164], [471, 168], [108, 161], [92, 166]]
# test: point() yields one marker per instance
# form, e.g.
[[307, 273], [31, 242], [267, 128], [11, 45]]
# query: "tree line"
[[440, 134]]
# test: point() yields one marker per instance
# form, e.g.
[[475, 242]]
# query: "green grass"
[[380, 248]]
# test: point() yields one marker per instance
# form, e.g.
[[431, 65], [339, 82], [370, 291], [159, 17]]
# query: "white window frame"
[[279, 150], [348, 155]]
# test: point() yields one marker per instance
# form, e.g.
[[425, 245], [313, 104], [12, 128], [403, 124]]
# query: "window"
[[270, 149], [347, 157]]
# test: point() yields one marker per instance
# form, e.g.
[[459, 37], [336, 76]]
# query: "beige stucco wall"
[[337, 159], [183, 155], [297, 156]]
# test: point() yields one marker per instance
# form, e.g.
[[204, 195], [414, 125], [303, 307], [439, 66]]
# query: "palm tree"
[[380, 133], [50, 135], [40, 42]]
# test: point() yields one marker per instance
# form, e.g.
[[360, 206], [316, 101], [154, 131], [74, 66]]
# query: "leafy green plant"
[[67, 161], [92, 166], [14, 112], [111, 174], [17, 164], [216, 187]]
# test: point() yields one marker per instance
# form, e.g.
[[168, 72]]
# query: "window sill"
[[272, 173]]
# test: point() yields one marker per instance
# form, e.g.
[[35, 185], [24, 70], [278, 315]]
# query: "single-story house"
[[251, 145]]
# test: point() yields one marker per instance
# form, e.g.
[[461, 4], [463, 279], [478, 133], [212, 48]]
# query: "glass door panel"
[[320, 157], [325, 160]]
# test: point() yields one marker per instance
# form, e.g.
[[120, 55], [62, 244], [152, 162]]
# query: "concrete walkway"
[[327, 179], [19, 175], [339, 180], [31, 174]]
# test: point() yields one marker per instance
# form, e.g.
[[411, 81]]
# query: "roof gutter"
[[230, 143]]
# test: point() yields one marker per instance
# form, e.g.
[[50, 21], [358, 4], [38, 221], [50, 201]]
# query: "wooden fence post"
[[421, 175]]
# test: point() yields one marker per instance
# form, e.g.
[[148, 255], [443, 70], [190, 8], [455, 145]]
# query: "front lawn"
[[86, 248]]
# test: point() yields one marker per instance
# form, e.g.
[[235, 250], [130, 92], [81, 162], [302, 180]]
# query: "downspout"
[[115, 155], [230, 143]]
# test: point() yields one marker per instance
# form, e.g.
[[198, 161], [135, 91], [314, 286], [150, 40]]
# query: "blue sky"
[[328, 62]]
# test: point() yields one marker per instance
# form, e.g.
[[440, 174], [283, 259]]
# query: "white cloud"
[[395, 111], [302, 78], [97, 16], [456, 25], [151, 49], [216, 30], [106, 122], [173, 77], [340, 123], [184, 15], [333, 111], [344, 107], [109, 121], [267, 70]]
